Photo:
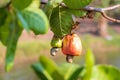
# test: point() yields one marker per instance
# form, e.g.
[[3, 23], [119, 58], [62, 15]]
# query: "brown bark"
[[102, 28]]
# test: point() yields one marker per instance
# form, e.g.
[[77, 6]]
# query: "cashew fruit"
[[72, 45], [56, 42]]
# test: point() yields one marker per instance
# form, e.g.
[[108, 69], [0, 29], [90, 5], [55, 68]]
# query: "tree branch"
[[93, 9], [110, 8], [109, 18], [102, 11]]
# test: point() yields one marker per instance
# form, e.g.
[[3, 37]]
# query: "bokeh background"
[[102, 36]]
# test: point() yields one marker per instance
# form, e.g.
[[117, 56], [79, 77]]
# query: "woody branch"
[[102, 11]]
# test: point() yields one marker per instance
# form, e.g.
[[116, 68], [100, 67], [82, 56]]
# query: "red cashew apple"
[[71, 46]]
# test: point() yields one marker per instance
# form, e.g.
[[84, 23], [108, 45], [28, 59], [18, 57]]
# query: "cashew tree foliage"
[[39, 17], [17, 15]]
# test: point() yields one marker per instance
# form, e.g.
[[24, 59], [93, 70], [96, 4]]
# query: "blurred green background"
[[30, 47]]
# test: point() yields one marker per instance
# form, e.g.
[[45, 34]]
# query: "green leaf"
[[36, 21], [55, 3], [51, 68], [3, 16], [11, 48], [14, 33], [61, 21], [89, 59], [21, 20], [48, 9], [21, 4], [76, 4], [41, 72], [35, 4], [89, 64], [4, 30], [77, 13], [105, 72], [76, 73], [50, 6], [70, 71]]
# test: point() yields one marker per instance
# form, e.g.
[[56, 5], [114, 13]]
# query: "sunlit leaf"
[[21, 4], [41, 72], [89, 64], [51, 68], [76, 73], [34, 4], [36, 21], [76, 4], [11, 43], [70, 71], [22, 21], [5, 30], [105, 72], [11, 47], [77, 13], [55, 3]]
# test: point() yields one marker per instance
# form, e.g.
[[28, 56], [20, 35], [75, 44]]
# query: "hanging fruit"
[[71, 46], [56, 43]]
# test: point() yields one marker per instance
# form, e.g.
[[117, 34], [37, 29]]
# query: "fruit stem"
[[69, 58], [53, 51]]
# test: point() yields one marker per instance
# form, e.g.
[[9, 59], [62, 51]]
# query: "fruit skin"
[[72, 45], [56, 42]]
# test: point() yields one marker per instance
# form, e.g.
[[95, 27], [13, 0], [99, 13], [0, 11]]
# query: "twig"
[[109, 18], [93, 9], [102, 11], [110, 8]]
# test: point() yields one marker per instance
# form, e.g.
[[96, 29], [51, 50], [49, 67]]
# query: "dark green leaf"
[[48, 9], [14, 33], [76, 4], [61, 21], [3, 15], [105, 72], [4, 30], [50, 5], [41, 72], [36, 21], [51, 68], [21, 4]]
